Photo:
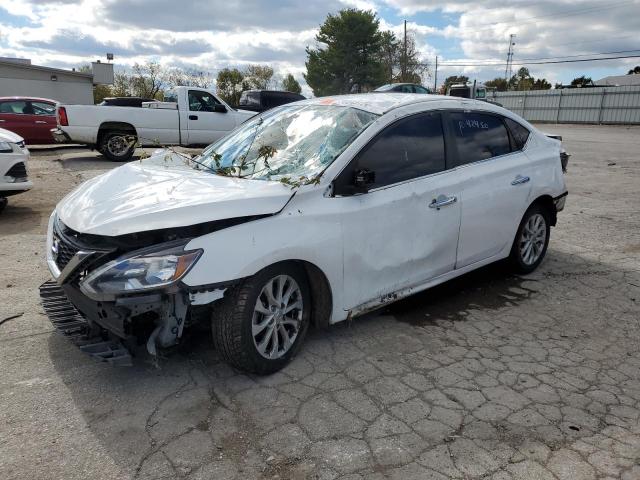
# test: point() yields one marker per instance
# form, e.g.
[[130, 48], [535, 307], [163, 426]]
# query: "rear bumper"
[[60, 136], [69, 322]]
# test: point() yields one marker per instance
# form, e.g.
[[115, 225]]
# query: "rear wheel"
[[532, 240], [118, 146], [260, 326], [3, 203]]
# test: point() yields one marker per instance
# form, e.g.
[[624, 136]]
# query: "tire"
[[233, 322], [529, 247], [118, 146], [3, 203]]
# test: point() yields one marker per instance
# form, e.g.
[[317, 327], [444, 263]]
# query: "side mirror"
[[218, 107], [362, 179]]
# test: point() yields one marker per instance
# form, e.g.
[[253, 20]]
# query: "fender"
[[241, 251]]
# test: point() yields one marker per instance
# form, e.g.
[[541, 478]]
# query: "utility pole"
[[507, 70], [435, 77], [404, 54]]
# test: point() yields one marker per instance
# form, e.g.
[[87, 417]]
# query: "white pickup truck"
[[188, 116]]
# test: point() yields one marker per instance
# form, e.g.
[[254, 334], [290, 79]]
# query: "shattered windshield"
[[297, 141]]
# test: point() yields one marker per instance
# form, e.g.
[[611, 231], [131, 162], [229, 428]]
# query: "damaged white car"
[[310, 213]]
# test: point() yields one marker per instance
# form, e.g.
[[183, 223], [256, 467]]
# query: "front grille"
[[65, 250], [18, 171]]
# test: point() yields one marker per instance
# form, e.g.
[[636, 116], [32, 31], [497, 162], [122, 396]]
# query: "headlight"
[[140, 272], [5, 147]]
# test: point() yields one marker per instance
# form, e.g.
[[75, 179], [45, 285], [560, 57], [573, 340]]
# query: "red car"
[[31, 118]]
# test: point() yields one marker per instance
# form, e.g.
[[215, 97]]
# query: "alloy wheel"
[[277, 317], [532, 239]]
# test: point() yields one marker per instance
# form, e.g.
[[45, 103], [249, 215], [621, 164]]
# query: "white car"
[[188, 116], [14, 156], [311, 213]]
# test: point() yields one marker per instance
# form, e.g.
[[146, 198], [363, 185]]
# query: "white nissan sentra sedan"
[[311, 213]]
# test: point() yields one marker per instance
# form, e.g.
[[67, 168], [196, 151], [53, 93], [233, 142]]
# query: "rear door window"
[[410, 148], [478, 136]]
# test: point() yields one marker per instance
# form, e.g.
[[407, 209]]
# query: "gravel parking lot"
[[489, 376]]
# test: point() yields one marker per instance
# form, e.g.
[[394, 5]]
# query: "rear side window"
[[410, 148], [43, 108], [519, 133], [478, 136]]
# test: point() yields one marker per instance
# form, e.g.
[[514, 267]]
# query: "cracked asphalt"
[[488, 376]]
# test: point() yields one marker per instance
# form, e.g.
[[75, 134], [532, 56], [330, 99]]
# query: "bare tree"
[[258, 76], [148, 80]]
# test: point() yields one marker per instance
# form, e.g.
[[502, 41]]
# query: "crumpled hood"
[[9, 136], [164, 192]]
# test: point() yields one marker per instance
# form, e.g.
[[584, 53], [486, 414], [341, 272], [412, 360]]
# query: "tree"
[[411, 67], [188, 78], [148, 80], [349, 58], [398, 65], [498, 83], [121, 85], [634, 71], [290, 84], [389, 56], [522, 80], [581, 81], [541, 84], [258, 76], [452, 80], [229, 85]]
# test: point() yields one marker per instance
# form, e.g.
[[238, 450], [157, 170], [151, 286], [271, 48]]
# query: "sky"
[[208, 35]]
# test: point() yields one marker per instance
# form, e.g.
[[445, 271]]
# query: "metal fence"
[[612, 105]]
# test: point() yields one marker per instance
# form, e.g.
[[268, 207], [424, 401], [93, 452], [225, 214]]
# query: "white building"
[[18, 77]]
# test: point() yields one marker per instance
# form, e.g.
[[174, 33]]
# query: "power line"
[[536, 63], [581, 55], [560, 57]]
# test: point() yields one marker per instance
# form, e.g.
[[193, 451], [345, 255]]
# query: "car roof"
[[33, 99], [382, 102]]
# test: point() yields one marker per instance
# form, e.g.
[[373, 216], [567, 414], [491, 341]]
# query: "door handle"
[[442, 201], [40, 121], [193, 117], [2, 121], [520, 180]]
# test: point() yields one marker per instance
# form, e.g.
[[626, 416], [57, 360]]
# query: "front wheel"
[[118, 146], [3, 203], [261, 324], [532, 240]]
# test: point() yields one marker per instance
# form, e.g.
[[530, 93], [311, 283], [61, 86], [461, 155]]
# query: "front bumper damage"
[[112, 328], [112, 331], [69, 322]]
